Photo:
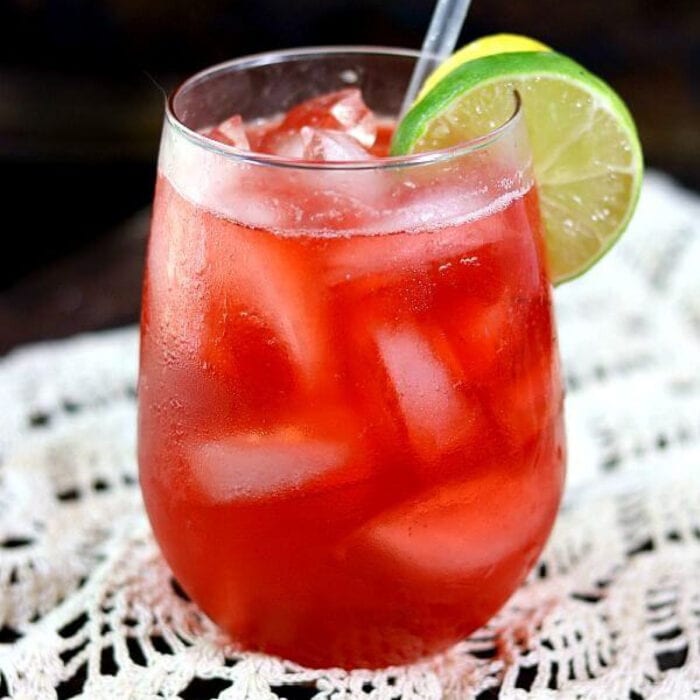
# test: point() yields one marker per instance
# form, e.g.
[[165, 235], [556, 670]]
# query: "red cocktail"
[[350, 438]]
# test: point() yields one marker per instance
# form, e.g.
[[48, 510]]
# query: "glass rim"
[[279, 56]]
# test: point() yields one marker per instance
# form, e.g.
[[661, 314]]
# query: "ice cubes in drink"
[[450, 251], [286, 143], [231, 132], [480, 333], [259, 280], [253, 466], [326, 145], [439, 416], [456, 534], [343, 111], [334, 127], [528, 403], [529, 394]]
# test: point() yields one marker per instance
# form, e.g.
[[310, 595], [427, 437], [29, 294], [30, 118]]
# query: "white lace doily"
[[612, 611]]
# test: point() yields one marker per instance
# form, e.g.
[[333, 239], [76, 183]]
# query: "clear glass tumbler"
[[350, 410]]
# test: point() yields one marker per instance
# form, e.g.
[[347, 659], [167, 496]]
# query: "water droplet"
[[349, 76]]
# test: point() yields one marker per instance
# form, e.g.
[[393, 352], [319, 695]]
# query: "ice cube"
[[364, 381], [343, 111], [231, 131], [221, 290], [330, 146], [461, 530], [529, 399], [404, 253], [438, 416], [382, 144], [254, 466], [529, 394], [270, 282], [480, 332], [286, 143]]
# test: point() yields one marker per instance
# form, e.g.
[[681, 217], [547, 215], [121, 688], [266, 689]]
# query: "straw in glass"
[[443, 32]]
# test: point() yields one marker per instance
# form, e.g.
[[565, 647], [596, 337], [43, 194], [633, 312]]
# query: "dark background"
[[81, 107]]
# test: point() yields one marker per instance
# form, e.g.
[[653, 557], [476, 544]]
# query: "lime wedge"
[[586, 153]]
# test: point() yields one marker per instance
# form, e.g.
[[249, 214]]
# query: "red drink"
[[350, 434]]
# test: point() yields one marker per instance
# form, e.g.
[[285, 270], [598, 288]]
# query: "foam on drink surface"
[[344, 198]]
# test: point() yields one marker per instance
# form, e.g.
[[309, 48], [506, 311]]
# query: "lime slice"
[[485, 46], [586, 152]]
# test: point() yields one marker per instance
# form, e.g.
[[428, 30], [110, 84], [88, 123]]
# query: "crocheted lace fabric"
[[612, 611]]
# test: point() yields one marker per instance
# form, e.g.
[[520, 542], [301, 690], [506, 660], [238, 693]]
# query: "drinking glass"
[[350, 410]]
